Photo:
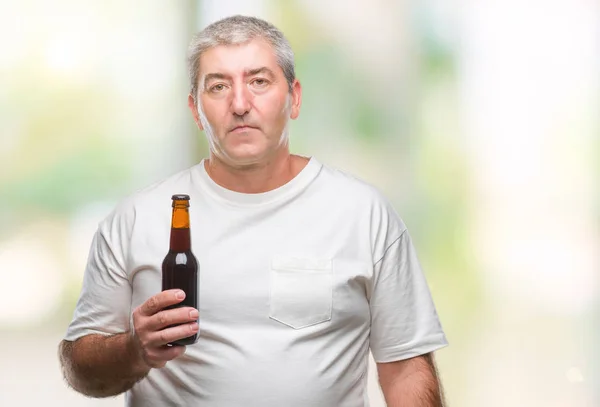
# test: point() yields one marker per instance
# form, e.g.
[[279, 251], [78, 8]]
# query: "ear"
[[194, 110], [296, 99]]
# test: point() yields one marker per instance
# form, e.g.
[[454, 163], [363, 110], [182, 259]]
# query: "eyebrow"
[[249, 72], [264, 69], [211, 76]]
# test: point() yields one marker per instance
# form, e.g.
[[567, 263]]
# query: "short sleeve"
[[104, 304], [404, 321]]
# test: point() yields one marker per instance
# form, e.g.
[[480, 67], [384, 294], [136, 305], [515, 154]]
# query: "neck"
[[258, 177]]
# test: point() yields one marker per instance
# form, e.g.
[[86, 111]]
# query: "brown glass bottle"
[[179, 267]]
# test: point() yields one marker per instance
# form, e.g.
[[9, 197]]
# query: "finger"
[[172, 334], [158, 357], [160, 301], [166, 318]]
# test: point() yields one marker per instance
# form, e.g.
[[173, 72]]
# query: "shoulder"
[[149, 198], [347, 182], [364, 199], [347, 185]]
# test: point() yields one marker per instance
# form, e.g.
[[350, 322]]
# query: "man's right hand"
[[153, 327]]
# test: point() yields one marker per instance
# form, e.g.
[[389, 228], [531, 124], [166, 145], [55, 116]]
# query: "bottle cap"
[[180, 197]]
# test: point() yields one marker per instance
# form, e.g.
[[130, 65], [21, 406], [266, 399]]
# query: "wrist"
[[134, 352]]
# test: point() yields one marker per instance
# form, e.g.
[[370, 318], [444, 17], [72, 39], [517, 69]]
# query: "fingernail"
[[194, 314], [194, 327], [180, 295]]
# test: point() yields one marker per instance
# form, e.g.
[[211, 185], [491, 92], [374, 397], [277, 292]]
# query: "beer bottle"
[[179, 267]]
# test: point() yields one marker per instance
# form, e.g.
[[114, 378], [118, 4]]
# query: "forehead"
[[235, 59]]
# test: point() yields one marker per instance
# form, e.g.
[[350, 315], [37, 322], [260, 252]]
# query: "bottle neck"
[[180, 230]]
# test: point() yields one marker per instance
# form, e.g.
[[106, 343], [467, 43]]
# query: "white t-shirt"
[[295, 286]]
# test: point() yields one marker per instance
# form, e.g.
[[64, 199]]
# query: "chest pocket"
[[301, 291]]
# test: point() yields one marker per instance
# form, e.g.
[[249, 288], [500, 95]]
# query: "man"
[[303, 268]]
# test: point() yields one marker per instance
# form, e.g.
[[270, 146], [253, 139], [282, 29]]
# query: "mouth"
[[241, 129]]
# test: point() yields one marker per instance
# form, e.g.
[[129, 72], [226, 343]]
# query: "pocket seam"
[[297, 265], [284, 263]]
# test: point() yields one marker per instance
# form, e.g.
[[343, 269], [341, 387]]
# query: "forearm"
[[415, 387], [102, 366], [415, 391]]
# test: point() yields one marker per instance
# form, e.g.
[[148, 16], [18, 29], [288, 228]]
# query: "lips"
[[242, 128]]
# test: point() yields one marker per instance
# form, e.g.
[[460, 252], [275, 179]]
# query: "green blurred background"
[[477, 119]]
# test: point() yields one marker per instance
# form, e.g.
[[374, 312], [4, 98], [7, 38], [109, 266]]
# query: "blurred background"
[[478, 119]]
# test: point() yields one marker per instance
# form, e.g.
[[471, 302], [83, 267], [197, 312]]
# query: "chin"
[[246, 158], [248, 154]]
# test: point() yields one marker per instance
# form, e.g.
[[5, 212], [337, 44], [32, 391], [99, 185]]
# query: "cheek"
[[214, 115], [273, 108], [209, 110]]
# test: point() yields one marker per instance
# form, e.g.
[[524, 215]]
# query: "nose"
[[241, 103]]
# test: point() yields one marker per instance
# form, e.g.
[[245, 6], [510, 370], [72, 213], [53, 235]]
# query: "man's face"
[[244, 103]]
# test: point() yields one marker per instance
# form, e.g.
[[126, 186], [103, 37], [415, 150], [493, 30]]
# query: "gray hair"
[[236, 30]]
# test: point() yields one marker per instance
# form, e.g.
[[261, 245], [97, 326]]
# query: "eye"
[[260, 82], [219, 87]]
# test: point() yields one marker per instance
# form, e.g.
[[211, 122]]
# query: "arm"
[[405, 329], [103, 366], [411, 382]]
